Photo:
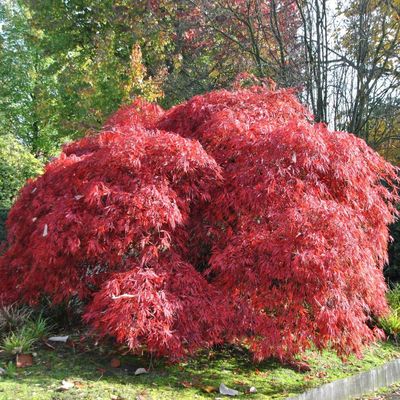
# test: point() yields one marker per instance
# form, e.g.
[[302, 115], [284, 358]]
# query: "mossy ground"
[[94, 378]]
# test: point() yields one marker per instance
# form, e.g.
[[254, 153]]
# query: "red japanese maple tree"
[[230, 217]]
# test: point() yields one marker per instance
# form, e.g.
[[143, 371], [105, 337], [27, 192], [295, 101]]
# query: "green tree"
[[17, 165], [66, 65], [27, 89]]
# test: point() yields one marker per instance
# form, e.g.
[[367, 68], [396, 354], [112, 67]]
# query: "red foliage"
[[171, 306], [240, 220]]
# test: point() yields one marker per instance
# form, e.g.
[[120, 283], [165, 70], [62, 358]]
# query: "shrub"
[[390, 323], [16, 166], [20, 331], [18, 342], [10, 369], [13, 317], [393, 297], [38, 328], [230, 217]]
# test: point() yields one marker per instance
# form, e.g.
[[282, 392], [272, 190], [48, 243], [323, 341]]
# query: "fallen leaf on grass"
[[186, 384], [299, 366], [264, 374], [321, 374], [227, 391], [65, 385], [240, 383], [141, 371], [143, 397], [209, 389]]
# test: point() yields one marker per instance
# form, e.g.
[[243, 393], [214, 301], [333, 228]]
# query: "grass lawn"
[[94, 378]]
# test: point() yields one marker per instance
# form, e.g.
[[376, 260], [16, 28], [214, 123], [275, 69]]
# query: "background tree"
[[27, 97], [17, 165], [78, 56], [351, 70], [71, 65], [262, 34], [315, 30]]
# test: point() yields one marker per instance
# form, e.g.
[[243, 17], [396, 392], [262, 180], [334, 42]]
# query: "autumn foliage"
[[231, 217]]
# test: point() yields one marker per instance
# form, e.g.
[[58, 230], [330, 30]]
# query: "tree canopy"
[[66, 65], [232, 216]]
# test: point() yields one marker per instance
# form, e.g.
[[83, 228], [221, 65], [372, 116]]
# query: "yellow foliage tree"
[[139, 83]]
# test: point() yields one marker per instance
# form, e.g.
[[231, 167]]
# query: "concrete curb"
[[356, 385]]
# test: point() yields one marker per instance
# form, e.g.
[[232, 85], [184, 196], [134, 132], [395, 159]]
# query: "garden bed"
[[89, 369]]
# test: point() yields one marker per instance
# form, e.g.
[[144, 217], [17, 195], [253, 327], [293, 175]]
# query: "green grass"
[[95, 379]]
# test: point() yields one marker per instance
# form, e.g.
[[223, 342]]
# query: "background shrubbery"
[[17, 165]]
